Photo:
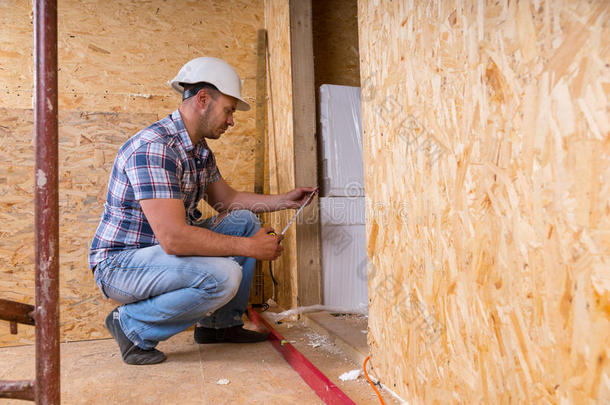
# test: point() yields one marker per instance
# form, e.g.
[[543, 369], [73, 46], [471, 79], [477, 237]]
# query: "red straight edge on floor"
[[329, 392]]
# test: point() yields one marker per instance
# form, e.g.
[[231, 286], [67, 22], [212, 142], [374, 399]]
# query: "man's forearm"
[[191, 240], [259, 202]]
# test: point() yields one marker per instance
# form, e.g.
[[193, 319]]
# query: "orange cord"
[[371, 382]]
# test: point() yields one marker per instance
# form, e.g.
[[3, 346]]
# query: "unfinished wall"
[[115, 60], [487, 148], [335, 42]]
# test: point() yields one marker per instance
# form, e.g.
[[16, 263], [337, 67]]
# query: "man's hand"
[[264, 246], [296, 198]]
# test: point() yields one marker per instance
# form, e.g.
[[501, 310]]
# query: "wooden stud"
[[305, 150], [257, 293]]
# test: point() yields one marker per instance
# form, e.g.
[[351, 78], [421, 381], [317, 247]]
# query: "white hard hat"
[[214, 71]]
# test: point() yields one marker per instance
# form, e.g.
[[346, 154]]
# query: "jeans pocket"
[[117, 294], [108, 276], [120, 259], [97, 276]]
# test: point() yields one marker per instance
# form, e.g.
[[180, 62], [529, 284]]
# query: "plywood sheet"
[[93, 373], [114, 64], [87, 146], [487, 149], [120, 56], [124, 64]]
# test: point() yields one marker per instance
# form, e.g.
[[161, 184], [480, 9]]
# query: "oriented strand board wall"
[[83, 141], [115, 60], [281, 144], [335, 42], [486, 138]]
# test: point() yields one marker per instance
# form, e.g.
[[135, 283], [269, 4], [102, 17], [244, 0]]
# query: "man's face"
[[218, 116]]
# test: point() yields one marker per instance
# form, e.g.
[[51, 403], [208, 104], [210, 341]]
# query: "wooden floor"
[[92, 372]]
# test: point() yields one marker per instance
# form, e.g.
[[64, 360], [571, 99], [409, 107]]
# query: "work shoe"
[[131, 353], [234, 334]]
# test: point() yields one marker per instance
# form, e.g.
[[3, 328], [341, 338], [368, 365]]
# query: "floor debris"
[[223, 381], [351, 375], [316, 340]]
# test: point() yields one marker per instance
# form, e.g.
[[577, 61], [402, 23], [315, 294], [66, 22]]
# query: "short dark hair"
[[191, 89]]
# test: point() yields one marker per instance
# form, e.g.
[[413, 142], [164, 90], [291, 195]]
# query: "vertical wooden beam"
[[261, 112], [305, 150], [257, 294]]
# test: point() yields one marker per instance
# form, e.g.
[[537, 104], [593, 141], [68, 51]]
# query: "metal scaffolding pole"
[[45, 313], [46, 216]]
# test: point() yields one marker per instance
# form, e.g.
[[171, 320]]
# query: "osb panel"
[[281, 146], [120, 57], [487, 144], [124, 64], [87, 146], [121, 65], [335, 42]]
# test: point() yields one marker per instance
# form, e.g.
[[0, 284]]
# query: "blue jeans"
[[165, 294]]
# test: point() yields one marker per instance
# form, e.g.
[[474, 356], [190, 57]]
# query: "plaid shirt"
[[158, 162]]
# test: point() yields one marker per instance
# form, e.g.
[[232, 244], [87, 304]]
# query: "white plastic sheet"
[[276, 317], [341, 135], [344, 265]]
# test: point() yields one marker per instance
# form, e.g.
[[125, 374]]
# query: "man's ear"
[[203, 98]]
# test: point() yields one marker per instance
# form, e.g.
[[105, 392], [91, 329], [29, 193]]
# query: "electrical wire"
[[274, 284], [264, 306], [272, 278], [371, 382]]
